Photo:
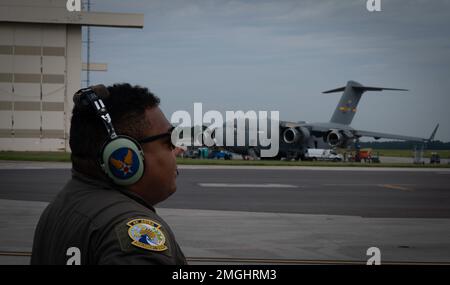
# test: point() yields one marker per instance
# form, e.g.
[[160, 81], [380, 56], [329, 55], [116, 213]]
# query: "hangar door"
[[32, 86]]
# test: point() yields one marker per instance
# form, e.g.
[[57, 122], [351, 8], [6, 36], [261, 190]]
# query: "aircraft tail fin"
[[433, 133], [346, 108]]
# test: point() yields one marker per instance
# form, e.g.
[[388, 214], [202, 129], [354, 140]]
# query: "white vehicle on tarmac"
[[316, 154]]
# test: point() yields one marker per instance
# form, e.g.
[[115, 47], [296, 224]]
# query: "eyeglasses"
[[158, 137]]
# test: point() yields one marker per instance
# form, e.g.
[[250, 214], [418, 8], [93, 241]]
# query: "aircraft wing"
[[326, 127], [377, 135]]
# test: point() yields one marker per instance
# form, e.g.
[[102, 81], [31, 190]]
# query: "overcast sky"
[[280, 55]]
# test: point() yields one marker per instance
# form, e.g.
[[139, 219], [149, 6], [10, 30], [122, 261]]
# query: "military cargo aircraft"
[[297, 137]]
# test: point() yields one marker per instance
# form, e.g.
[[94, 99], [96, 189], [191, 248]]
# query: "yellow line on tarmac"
[[302, 261], [395, 187], [269, 260], [14, 253]]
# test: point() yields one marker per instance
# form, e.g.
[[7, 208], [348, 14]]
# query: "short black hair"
[[126, 105]]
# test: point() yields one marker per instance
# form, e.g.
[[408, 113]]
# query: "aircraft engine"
[[198, 139], [294, 135], [338, 138], [209, 137]]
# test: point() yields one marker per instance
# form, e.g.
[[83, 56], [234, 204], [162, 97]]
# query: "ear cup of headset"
[[122, 160]]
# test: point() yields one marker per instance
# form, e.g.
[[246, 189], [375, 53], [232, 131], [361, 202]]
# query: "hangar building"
[[40, 69]]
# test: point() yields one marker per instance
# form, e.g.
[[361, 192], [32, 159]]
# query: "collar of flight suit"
[[103, 183]]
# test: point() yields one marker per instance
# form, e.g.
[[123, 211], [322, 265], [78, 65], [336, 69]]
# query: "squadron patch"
[[146, 234]]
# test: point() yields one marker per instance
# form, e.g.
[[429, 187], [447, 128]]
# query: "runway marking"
[[245, 185], [349, 184], [389, 186], [33, 167], [364, 184], [395, 187]]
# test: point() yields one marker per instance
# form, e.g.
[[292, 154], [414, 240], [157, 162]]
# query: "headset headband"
[[88, 97]]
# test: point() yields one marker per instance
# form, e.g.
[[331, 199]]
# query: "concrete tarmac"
[[268, 214], [370, 193]]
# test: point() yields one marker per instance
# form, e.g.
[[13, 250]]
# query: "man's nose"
[[177, 151]]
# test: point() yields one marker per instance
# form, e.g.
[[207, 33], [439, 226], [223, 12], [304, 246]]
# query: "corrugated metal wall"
[[33, 89]]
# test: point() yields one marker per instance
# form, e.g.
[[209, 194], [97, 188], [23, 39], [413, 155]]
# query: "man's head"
[[135, 113]]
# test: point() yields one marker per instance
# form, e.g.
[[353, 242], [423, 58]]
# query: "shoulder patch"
[[146, 234]]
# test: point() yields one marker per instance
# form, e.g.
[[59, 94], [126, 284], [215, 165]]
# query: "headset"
[[121, 157]]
